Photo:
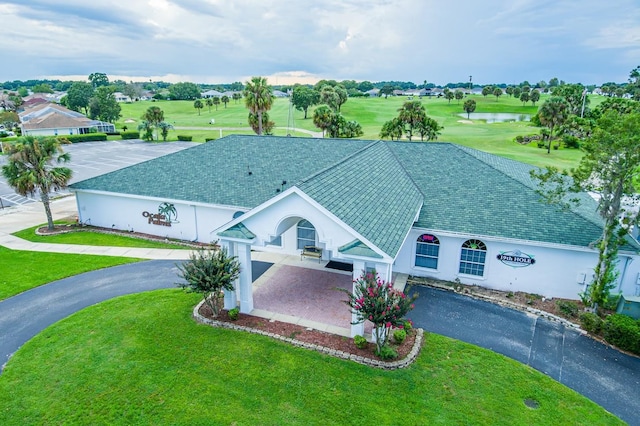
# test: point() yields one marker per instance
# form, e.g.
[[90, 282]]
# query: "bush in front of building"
[[89, 137], [185, 138], [623, 332], [130, 135], [360, 342], [591, 322]]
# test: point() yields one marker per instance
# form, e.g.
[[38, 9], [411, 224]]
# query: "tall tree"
[[448, 94], [154, 116], [552, 113], [209, 103], [525, 97], [258, 98], [216, 101], [78, 96], [322, 118], [184, 91], [428, 129], [458, 95], [534, 96], [342, 94], [330, 97], [497, 92], [469, 106], [575, 95], [610, 169], [304, 97], [411, 114], [197, 104], [30, 169], [393, 129], [98, 79], [225, 100], [386, 90], [103, 105]]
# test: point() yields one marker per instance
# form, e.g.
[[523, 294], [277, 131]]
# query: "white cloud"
[[203, 40]]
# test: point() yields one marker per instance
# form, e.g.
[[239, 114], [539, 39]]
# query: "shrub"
[[407, 325], [233, 314], [387, 352], [612, 302], [568, 308], [591, 322], [185, 138], [360, 342], [399, 335], [89, 137], [623, 332], [130, 135]]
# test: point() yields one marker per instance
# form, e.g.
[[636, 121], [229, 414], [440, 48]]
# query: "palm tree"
[[225, 100], [552, 113], [197, 104], [412, 113], [209, 103], [154, 115], [164, 129], [469, 106], [216, 101], [30, 169], [258, 98], [322, 117]]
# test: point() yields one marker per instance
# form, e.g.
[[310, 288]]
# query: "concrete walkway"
[[16, 218]]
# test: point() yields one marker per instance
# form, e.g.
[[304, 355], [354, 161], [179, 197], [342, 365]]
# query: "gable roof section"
[[372, 193], [217, 172], [469, 191]]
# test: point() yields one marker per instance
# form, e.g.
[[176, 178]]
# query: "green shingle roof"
[[239, 231], [473, 192], [372, 193], [358, 248], [374, 187]]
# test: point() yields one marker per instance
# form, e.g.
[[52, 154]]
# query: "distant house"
[[121, 97], [373, 93], [280, 94], [52, 120], [211, 94]]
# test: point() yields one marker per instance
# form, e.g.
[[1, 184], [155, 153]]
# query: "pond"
[[496, 117]]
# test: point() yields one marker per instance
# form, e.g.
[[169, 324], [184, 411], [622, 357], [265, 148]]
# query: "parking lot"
[[91, 159]]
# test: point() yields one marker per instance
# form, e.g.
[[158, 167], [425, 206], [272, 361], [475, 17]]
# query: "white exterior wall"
[[194, 222], [51, 132], [556, 272], [282, 218]]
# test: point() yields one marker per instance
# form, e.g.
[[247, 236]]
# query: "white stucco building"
[[424, 209]]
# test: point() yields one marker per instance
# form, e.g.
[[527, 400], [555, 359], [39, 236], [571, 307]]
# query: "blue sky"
[[221, 41]]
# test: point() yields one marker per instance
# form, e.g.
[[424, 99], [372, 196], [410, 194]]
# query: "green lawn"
[[152, 364], [87, 237], [371, 113], [23, 270]]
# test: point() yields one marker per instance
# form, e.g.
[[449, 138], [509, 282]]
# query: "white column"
[[246, 283], [384, 271], [357, 329], [230, 296]]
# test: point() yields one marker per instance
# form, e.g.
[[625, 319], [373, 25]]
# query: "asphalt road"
[[604, 375], [89, 159]]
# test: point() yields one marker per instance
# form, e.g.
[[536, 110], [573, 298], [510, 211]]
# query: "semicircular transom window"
[[306, 234], [237, 214], [427, 251], [472, 257]]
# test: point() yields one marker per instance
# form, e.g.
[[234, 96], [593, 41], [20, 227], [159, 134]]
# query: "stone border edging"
[[509, 304], [394, 365]]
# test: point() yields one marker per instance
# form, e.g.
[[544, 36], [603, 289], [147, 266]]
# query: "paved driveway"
[[604, 375], [89, 159]]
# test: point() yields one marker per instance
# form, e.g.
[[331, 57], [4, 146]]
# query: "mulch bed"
[[316, 337]]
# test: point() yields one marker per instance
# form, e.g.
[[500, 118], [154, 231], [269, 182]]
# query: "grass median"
[[141, 359]]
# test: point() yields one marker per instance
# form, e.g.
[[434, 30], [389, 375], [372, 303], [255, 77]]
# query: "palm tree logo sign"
[[168, 210]]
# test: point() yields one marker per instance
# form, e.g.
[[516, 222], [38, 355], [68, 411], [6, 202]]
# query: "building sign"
[[166, 215], [516, 259]]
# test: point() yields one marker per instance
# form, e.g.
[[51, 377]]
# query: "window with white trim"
[[473, 257], [306, 234], [427, 251]]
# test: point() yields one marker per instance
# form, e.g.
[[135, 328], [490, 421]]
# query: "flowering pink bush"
[[380, 303]]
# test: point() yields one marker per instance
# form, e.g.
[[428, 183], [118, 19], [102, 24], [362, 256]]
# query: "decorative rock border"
[[393, 365]]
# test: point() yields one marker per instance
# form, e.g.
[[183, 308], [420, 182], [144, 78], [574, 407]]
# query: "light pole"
[[470, 85]]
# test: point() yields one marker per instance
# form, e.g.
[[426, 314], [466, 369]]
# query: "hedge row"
[[130, 135], [185, 138], [620, 330], [89, 137]]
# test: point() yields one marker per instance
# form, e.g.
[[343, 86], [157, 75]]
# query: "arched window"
[[472, 257], [237, 214], [427, 250], [306, 234]]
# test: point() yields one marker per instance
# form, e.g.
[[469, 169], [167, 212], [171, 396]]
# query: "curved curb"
[[405, 362]]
